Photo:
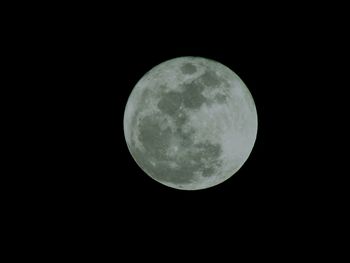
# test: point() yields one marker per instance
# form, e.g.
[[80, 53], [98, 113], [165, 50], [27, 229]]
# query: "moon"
[[190, 123]]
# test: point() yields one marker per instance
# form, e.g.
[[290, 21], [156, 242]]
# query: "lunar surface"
[[190, 123]]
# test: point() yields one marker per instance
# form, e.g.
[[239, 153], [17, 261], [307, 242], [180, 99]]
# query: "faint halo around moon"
[[190, 123]]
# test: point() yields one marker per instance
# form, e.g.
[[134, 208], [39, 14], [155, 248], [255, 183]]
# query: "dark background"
[[272, 188], [89, 188]]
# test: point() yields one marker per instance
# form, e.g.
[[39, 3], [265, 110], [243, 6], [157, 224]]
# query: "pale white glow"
[[190, 123]]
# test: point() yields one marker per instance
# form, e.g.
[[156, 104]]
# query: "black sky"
[[111, 59], [93, 184]]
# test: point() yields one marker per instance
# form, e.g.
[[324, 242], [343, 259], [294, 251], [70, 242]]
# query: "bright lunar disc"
[[190, 123]]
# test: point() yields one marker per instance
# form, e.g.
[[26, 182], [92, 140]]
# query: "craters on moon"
[[164, 141], [172, 155], [188, 68], [210, 78]]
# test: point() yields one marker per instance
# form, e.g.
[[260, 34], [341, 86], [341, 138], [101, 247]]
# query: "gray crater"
[[220, 98], [170, 102], [210, 78], [188, 68], [192, 95]]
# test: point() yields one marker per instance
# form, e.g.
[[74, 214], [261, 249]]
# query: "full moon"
[[190, 123]]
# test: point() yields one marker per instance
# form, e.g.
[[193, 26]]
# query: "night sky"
[[92, 187]]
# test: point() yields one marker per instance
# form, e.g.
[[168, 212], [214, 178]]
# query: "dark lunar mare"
[[188, 68], [195, 158], [201, 157]]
